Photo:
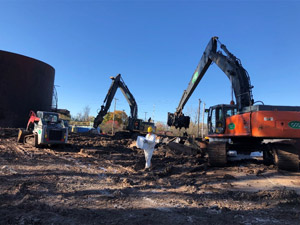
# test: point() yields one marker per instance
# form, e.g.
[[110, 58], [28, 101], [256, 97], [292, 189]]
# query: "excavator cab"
[[134, 124], [217, 115]]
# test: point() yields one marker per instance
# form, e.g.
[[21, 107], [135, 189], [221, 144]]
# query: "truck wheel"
[[286, 157], [217, 153]]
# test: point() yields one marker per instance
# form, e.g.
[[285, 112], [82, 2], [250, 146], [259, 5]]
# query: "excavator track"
[[217, 153], [286, 156]]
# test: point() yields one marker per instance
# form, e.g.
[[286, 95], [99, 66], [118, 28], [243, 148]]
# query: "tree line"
[[120, 120]]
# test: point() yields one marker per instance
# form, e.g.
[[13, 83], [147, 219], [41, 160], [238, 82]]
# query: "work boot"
[[147, 170]]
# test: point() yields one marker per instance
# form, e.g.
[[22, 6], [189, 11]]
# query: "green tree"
[[120, 116], [107, 127]]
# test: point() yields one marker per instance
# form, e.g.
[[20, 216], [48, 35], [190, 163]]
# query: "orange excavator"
[[244, 126]]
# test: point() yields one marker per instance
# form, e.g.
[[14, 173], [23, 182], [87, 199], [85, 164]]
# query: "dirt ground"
[[100, 180]]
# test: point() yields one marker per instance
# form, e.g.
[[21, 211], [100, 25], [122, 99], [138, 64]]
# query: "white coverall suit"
[[150, 140]]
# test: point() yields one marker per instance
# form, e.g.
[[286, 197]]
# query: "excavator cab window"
[[212, 120], [136, 125], [220, 120], [217, 118], [229, 111]]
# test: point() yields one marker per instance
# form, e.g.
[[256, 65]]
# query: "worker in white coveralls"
[[150, 141]]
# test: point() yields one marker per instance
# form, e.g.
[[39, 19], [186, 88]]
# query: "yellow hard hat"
[[207, 138], [150, 129]]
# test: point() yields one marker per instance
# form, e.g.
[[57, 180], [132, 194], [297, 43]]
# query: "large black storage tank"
[[25, 84]]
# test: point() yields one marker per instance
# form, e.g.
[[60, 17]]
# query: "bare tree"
[[86, 113]]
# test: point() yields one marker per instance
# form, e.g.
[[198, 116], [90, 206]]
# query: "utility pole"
[[153, 113], [123, 119], [198, 133], [145, 116], [112, 129], [203, 120]]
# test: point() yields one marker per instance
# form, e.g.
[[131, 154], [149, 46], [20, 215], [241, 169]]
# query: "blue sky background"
[[156, 46]]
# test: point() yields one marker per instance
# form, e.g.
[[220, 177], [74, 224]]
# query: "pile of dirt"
[[281, 194]]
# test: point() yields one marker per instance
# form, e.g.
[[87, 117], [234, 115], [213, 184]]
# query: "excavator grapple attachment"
[[178, 121]]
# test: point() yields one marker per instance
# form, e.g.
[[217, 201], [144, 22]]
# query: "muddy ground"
[[100, 180]]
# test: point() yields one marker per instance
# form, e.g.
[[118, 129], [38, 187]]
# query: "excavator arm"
[[230, 65], [116, 83], [130, 99]]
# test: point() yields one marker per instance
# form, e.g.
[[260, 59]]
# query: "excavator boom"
[[230, 65], [116, 83], [133, 122]]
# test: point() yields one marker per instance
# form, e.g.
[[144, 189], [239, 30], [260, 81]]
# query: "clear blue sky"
[[156, 46]]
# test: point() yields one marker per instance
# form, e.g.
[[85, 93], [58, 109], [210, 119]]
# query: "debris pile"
[[101, 179]]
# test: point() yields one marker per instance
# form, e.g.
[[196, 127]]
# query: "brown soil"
[[100, 180]]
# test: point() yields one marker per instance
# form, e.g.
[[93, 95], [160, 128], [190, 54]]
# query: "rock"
[[118, 193], [179, 149], [199, 168], [229, 177], [259, 172], [127, 182]]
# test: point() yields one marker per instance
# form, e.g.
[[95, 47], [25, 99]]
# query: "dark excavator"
[[243, 126], [134, 124]]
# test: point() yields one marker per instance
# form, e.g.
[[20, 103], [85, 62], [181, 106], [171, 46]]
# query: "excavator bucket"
[[22, 133], [178, 121]]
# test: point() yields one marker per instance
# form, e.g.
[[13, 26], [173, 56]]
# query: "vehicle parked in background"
[[44, 128]]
